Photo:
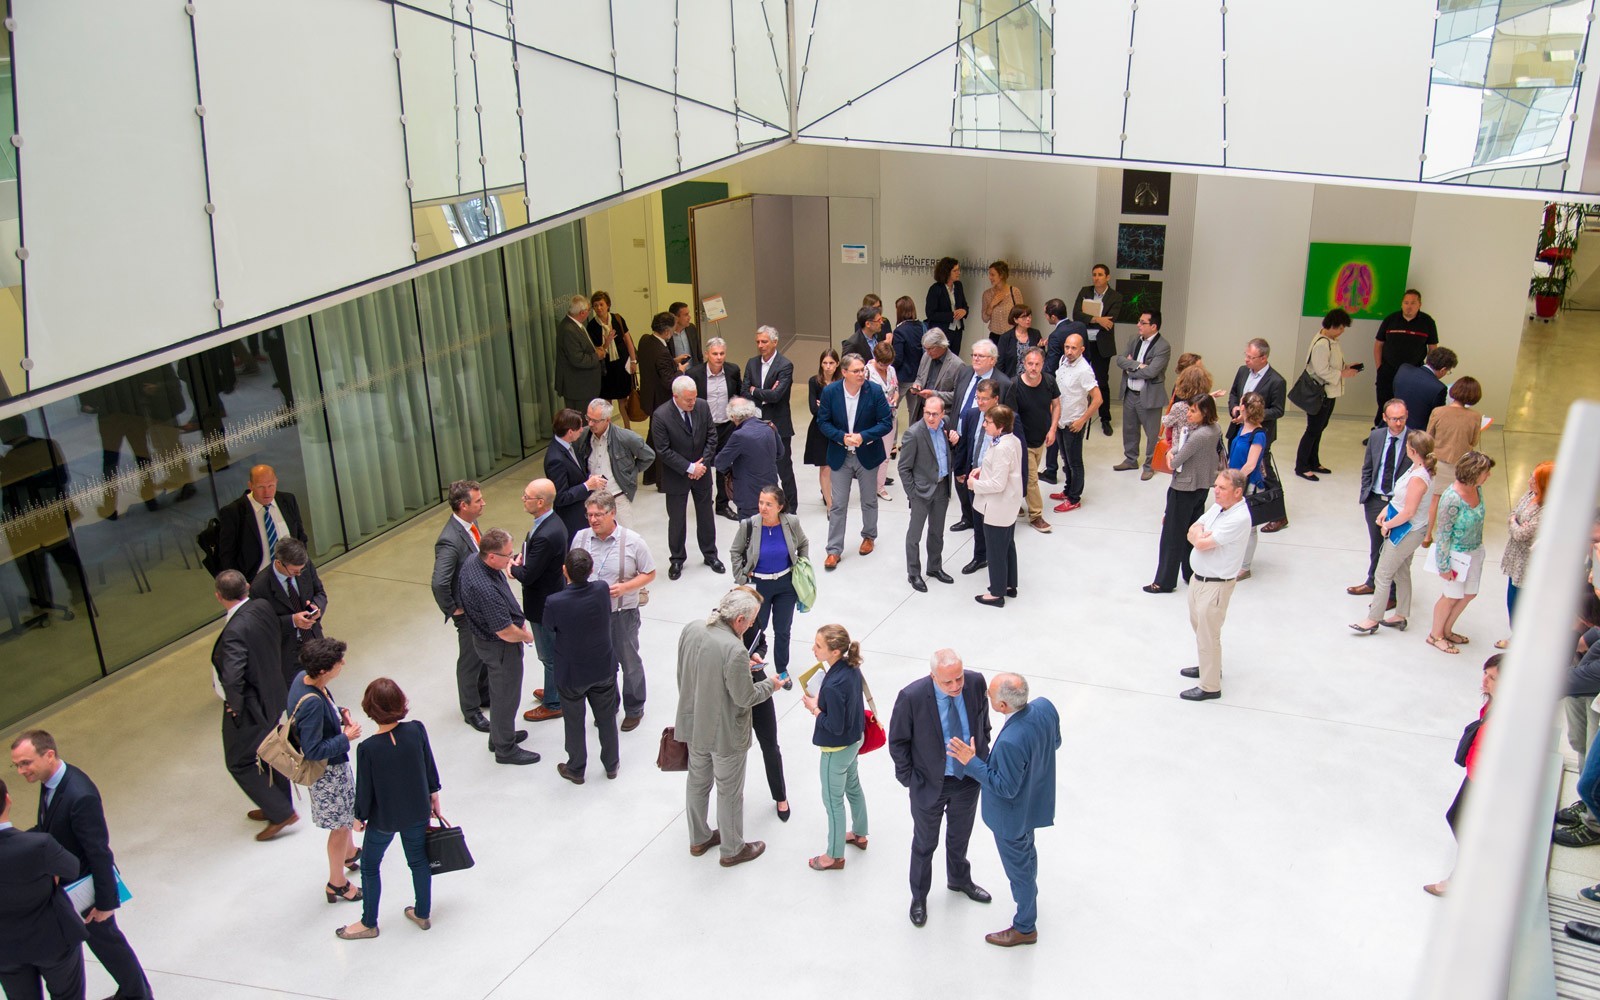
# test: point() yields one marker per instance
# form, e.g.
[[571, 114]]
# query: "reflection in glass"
[[13, 379], [1005, 77], [542, 271]]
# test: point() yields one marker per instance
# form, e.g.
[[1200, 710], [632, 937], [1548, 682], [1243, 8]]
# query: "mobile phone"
[[1359, 366], [344, 715]]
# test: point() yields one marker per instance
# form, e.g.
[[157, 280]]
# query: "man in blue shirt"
[[930, 712], [1019, 794], [499, 631]]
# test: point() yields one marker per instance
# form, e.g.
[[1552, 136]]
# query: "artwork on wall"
[[1138, 296], [1146, 192], [675, 204], [1366, 280], [1141, 247]]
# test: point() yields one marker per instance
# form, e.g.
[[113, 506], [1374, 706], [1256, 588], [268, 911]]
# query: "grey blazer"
[[919, 463], [628, 452], [1199, 458], [1153, 371], [715, 692], [943, 383], [577, 366], [453, 550], [746, 549], [1372, 464]]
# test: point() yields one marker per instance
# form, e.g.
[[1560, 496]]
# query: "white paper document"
[[1091, 308]]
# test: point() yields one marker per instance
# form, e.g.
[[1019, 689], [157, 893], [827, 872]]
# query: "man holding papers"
[[1096, 306], [40, 936]]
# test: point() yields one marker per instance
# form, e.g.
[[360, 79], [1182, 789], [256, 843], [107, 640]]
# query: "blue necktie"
[[272, 529], [952, 721]]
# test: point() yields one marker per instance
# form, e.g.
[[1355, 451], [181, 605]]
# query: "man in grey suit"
[[1144, 392], [249, 679], [715, 698], [455, 548], [925, 464], [937, 374], [616, 453], [578, 361]]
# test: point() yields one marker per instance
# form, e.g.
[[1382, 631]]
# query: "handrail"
[[1472, 950]]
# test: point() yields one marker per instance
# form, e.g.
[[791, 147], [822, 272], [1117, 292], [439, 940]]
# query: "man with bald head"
[[1019, 793], [250, 526], [930, 712], [538, 568]]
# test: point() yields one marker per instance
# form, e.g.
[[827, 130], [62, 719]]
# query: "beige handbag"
[[278, 752]]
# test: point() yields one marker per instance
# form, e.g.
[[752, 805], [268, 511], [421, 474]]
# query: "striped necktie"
[[272, 529]]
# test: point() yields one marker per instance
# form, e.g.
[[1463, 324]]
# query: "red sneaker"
[[1066, 506]]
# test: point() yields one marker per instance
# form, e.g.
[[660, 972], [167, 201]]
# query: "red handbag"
[[874, 736]]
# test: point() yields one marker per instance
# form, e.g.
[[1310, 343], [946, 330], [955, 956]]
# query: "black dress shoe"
[[674, 570], [962, 525], [1583, 931], [976, 893], [1011, 592], [724, 510], [942, 576], [919, 912], [918, 583], [576, 779], [992, 602], [1105, 428], [1196, 694], [477, 721], [517, 755], [973, 566], [716, 564], [1193, 672], [516, 737], [1048, 476]]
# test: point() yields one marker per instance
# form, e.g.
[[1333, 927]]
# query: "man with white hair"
[[937, 374], [1019, 793], [686, 443], [748, 455], [768, 381], [578, 361], [623, 561], [715, 698], [1219, 538], [718, 382], [616, 454], [931, 711]]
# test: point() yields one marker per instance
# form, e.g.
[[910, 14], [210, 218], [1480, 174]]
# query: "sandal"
[[1399, 623], [1436, 888], [1442, 645], [1459, 640], [833, 864], [855, 841], [353, 862], [341, 893], [1502, 644]]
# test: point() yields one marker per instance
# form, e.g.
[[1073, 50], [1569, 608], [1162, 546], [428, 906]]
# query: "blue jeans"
[[1021, 862], [1512, 590], [373, 846], [1589, 780], [546, 650]]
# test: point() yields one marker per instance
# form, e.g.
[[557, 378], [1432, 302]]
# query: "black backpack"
[[209, 538]]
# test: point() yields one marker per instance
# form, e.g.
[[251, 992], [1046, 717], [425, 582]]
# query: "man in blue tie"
[[925, 464], [1385, 462], [930, 712], [1019, 794]]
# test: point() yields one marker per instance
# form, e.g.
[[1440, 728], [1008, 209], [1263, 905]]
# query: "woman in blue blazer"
[[325, 732], [946, 305], [841, 723]]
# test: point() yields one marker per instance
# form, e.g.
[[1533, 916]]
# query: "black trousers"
[[1184, 507], [602, 699], [1069, 447], [791, 493], [764, 720], [724, 479], [63, 977], [1001, 545], [957, 805], [1309, 455], [1384, 377], [116, 955], [268, 789], [1102, 371], [705, 519], [472, 677], [980, 545]]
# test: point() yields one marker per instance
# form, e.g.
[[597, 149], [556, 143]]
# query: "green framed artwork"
[[1366, 280], [675, 204]]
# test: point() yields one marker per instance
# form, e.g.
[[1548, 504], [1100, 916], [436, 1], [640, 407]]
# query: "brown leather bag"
[[634, 408], [673, 756]]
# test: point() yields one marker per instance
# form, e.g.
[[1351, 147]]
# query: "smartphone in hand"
[[1359, 366]]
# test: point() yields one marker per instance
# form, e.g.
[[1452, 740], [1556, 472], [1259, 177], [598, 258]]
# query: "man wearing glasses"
[[499, 631]]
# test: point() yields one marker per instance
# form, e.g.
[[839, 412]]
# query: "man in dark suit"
[[578, 361], [1383, 465], [1257, 375], [41, 936], [563, 468], [1019, 793], [768, 380], [1423, 389], [455, 548], [926, 461], [70, 811], [717, 382], [868, 333], [249, 677], [748, 456], [578, 618], [685, 338], [983, 364], [657, 369], [854, 416], [291, 588], [684, 440], [948, 704], [538, 568], [1101, 332], [1144, 393], [250, 526]]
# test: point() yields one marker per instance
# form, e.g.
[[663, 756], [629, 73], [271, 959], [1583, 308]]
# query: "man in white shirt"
[[854, 416], [623, 561], [1080, 401], [1219, 538]]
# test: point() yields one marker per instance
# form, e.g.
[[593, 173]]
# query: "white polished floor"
[[1273, 843]]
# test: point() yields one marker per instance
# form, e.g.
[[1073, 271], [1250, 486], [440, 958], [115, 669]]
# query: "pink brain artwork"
[[1352, 288]]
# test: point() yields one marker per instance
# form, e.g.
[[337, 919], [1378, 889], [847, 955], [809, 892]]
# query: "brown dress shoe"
[[539, 693], [866, 546], [1272, 526], [749, 852], [257, 815], [1040, 524], [631, 722], [273, 829], [698, 849], [831, 562], [1360, 590], [1011, 937], [541, 713]]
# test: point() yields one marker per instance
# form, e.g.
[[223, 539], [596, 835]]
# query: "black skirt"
[[816, 452]]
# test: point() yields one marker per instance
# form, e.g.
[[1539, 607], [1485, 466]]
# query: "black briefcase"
[[447, 849]]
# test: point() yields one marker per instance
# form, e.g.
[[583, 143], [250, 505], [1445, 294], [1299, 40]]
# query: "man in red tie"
[[456, 547]]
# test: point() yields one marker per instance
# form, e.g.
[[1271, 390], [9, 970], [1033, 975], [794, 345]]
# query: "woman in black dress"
[[817, 445], [616, 378]]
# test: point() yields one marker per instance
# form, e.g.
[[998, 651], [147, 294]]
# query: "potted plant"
[[1558, 240], [1548, 291]]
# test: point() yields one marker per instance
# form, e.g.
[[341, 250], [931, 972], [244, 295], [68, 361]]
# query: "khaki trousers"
[[1208, 606], [1030, 484]]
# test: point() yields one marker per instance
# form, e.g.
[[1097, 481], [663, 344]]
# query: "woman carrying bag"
[[397, 791], [766, 549], [1324, 374], [840, 709], [325, 733]]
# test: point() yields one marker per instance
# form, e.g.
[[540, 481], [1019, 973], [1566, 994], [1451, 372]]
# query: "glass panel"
[[47, 646], [542, 270], [471, 381], [12, 378], [761, 60], [1006, 71], [436, 85]]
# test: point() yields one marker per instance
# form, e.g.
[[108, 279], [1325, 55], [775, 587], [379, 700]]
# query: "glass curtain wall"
[[366, 411]]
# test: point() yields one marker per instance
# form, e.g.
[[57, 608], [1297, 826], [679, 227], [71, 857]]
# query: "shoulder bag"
[[278, 751], [872, 736], [1161, 460], [1308, 392], [1266, 504], [673, 755]]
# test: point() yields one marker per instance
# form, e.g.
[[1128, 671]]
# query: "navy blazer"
[[579, 622], [936, 308], [1054, 344], [1420, 389], [841, 708], [37, 923], [773, 394], [77, 820], [1019, 778], [750, 455], [543, 553], [678, 449], [561, 467], [874, 419], [907, 341], [969, 427], [266, 589], [916, 734], [316, 725]]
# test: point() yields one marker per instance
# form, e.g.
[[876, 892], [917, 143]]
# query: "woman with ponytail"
[[840, 709], [1409, 521]]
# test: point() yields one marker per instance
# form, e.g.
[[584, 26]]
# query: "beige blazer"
[[997, 492], [715, 692]]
